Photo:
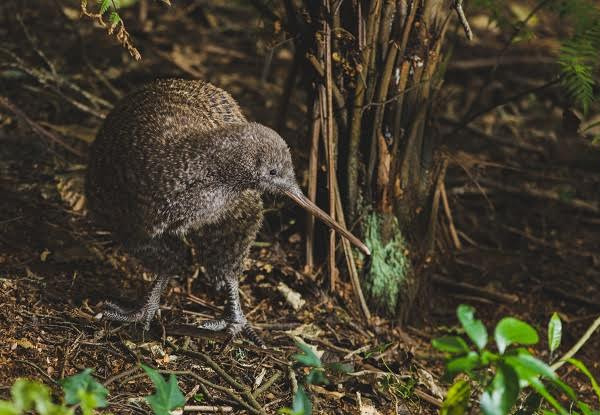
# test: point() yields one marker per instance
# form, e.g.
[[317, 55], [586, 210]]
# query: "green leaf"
[[541, 389], [308, 357], [7, 408], [168, 396], [338, 368], [502, 394], [473, 327], [511, 330], [488, 357], [554, 332], [104, 5], [585, 408], [114, 18], [317, 377], [451, 344], [300, 406], [27, 393], [457, 399], [83, 388], [583, 369], [462, 364], [529, 367]]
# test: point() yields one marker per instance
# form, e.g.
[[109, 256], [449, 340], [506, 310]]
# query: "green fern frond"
[[114, 19], [104, 5], [578, 58]]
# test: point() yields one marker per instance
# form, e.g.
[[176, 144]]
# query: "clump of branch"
[[114, 25]]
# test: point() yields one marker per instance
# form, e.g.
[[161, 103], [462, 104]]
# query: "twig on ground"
[[206, 408], [121, 375], [482, 292], [265, 386], [37, 50], [54, 83], [586, 336], [39, 369], [207, 383], [428, 398], [577, 299], [574, 203], [6, 103], [293, 380], [243, 389], [547, 244]]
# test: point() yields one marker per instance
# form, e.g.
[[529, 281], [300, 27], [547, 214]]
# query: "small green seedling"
[[502, 374]]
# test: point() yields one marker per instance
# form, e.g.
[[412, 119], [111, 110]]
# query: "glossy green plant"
[[29, 396], [318, 375], [506, 370], [84, 391]]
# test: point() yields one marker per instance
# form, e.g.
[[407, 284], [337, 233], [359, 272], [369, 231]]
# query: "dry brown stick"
[[494, 138], [435, 205], [313, 161], [382, 92], [207, 408], [54, 81], [46, 79], [401, 87], [237, 398], [428, 398], [574, 298], [6, 103], [39, 369], [482, 292], [448, 212], [574, 203], [385, 28], [243, 389], [350, 263], [546, 244], [121, 375], [359, 97], [330, 156], [372, 72], [337, 95], [37, 50], [265, 386], [468, 119], [463, 19], [586, 336]]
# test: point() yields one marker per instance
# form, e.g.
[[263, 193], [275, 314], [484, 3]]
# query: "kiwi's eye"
[[273, 172]]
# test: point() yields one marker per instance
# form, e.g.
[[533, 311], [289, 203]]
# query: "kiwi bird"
[[177, 158]]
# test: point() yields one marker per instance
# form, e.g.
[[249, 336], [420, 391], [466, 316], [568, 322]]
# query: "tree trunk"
[[377, 69]]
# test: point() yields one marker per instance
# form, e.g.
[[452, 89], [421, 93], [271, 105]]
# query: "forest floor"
[[523, 191]]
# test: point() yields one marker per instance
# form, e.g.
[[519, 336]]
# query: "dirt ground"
[[523, 193]]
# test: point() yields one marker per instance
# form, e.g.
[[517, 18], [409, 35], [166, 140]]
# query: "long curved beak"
[[305, 203]]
